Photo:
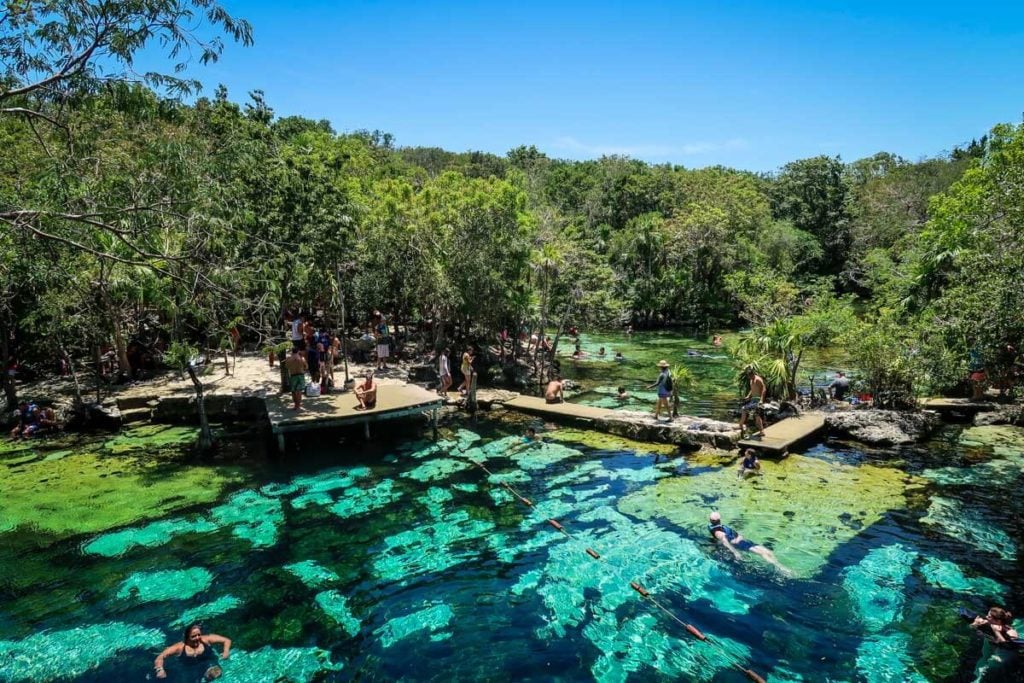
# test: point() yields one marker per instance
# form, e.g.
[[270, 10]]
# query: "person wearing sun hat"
[[664, 387]]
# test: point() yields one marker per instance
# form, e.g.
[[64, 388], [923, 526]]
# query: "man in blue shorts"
[[732, 540], [753, 402]]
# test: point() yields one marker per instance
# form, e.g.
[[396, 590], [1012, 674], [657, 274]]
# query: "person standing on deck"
[[383, 340], [298, 340], [753, 401], [664, 387], [444, 371], [295, 364]]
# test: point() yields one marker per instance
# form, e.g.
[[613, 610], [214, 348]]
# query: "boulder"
[[1004, 415], [883, 427], [684, 430]]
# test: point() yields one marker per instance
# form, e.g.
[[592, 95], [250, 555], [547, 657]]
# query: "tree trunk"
[[205, 435], [74, 376], [119, 344], [10, 390]]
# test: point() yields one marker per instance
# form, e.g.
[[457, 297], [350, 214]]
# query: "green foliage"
[[882, 349]]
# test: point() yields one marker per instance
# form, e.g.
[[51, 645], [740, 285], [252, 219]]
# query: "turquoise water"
[[403, 559], [716, 390]]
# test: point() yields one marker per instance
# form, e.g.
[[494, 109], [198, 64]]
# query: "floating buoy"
[[639, 589], [696, 632], [753, 676], [593, 554], [556, 525]]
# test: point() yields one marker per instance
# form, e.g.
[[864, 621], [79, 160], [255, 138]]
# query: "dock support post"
[[471, 394], [366, 430], [433, 422], [280, 443]]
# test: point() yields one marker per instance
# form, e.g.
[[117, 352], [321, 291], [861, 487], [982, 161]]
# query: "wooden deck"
[[339, 410], [535, 405], [957, 404], [783, 434]]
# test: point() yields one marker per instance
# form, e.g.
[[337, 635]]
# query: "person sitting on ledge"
[[366, 393], [555, 392]]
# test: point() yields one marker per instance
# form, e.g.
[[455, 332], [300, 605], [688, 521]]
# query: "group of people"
[[33, 420], [444, 370]]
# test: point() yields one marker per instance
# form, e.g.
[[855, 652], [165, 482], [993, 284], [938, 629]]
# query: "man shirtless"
[[754, 401], [295, 364], [555, 391], [366, 393]]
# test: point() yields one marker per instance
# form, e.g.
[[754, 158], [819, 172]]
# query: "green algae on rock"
[[433, 470], [432, 619], [148, 437], [221, 605], [431, 547], [835, 502], [152, 535], [311, 573], [608, 442], [93, 491], [335, 605], [60, 655], [292, 664], [356, 501], [167, 584]]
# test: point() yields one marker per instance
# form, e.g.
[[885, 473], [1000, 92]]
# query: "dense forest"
[[133, 209]]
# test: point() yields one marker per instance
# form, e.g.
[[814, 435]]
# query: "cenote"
[[402, 559]]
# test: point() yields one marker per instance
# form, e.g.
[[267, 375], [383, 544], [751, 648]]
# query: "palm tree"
[[774, 351], [683, 378]]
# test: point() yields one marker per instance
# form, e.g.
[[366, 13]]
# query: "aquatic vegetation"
[[251, 516], [336, 607], [970, 526], [434, 500], [356, 501], [92, 491], [835, 501], [220, 606], [292, 664], [607, 442], [47, 655], [508, 477], [151, 436], [945, 574], [432, 619], [311, 573], [433, 470], [876, 585], [527, 582], [1006, 464], [168, 584], [884, 659], [152, 535], [322, 482], [466, 488]]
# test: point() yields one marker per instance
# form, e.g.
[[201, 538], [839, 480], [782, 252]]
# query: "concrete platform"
[[339, 410], [535, 405], [783, 434], [960, 405]]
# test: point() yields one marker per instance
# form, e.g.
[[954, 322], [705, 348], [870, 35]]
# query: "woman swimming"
[[195, 653]]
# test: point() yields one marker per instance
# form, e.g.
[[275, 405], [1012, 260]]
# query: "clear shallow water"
[[715, 393], [404, 560]]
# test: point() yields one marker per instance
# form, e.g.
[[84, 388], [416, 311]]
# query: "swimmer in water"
[[619, 356], [731, 539], [623, 394], [750, 466], [195, 652]]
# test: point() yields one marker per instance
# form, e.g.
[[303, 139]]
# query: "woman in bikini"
[[196, 653]]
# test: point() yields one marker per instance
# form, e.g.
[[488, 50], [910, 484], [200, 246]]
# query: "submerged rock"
[[432, 619], [1004, 415], [883, 427]]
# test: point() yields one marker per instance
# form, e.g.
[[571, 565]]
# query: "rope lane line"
[[734, 660]]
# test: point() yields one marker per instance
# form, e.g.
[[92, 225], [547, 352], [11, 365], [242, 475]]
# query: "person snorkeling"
[[734, 542]]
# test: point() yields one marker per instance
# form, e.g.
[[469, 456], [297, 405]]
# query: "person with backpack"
[[664, 387]]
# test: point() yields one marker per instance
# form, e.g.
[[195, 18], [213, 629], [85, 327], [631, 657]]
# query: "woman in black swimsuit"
[[195, 653]]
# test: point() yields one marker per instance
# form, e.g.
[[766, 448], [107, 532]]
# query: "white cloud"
[[648, 151]]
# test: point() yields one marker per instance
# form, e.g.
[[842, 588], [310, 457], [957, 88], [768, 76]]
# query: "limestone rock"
[[882, 427], [683, 430], [1004, 415]]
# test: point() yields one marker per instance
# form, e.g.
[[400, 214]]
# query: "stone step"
[[132, 402], [133, 415]]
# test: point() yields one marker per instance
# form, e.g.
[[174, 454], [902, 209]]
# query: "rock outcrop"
[[882, 427], [1004, 415], [684, 430]]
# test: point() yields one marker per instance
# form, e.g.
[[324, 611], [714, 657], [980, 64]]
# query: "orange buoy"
[[593, 554], [695, 632], [556, 525], [639, 589], [753, 676]]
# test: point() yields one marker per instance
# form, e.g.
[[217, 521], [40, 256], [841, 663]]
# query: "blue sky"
[[745, 84]]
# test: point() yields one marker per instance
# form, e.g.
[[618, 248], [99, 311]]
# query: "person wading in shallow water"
[[195, 654]]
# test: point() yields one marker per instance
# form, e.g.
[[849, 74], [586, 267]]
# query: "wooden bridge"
[[341, 410], [783, 434], [535, 405]]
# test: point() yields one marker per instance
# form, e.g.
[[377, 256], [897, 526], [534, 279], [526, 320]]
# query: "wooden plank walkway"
[[783, 434], [339, 410], [538, 406], [957, 404]]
